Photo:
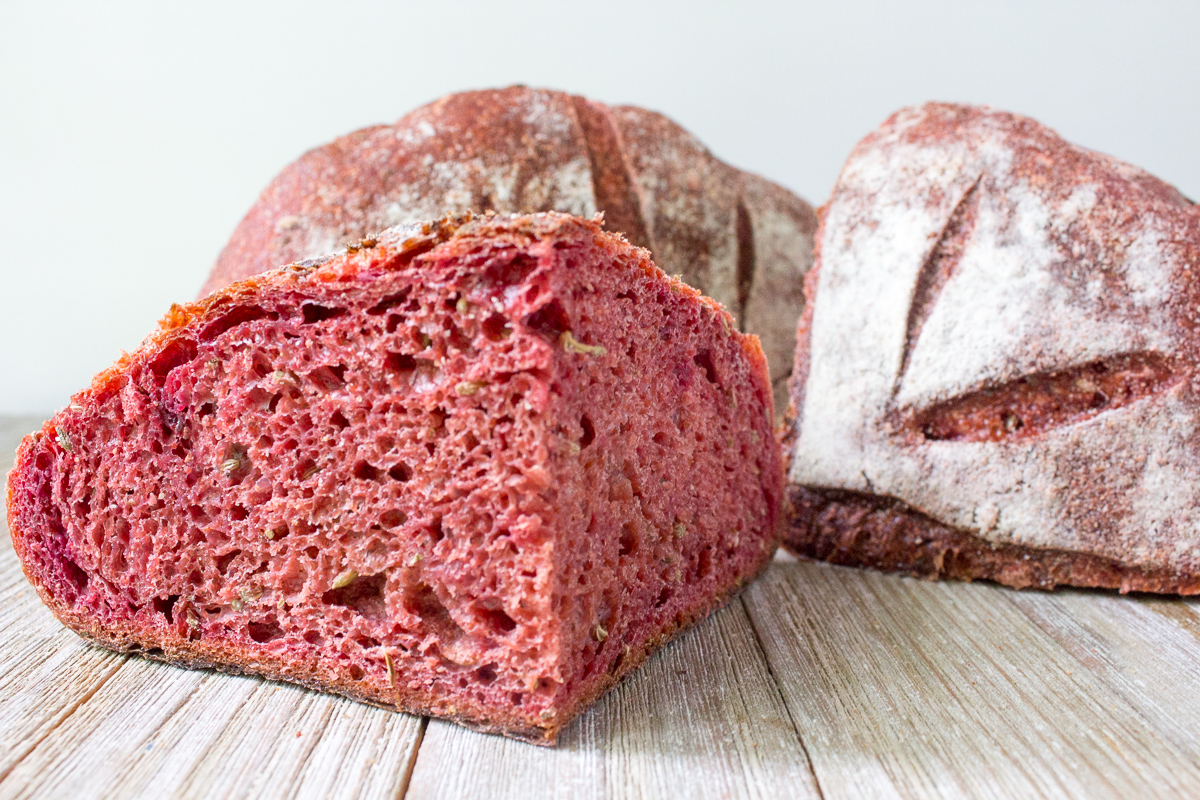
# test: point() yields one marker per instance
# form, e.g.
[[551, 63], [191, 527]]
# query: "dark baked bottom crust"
[[213, 655], [862, 530]]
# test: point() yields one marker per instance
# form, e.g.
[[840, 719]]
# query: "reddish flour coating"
[[477, 469]]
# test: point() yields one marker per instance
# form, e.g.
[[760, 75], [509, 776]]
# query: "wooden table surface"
[[818, 682]]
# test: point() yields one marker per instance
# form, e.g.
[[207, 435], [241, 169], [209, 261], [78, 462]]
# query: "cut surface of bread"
[[477, 469], [740, 239], [997, 370]]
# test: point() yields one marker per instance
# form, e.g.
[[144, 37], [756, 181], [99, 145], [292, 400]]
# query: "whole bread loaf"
[[998, 368], [741, 240], [476, 469]]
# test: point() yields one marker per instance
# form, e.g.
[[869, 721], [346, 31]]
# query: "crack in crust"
[[1030, 406], [612, 178], [745, 260], [935, 273]]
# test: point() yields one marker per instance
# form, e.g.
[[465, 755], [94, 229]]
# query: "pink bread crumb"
[[477, 469]]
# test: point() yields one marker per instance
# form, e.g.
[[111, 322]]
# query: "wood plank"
[[159, 731], [46, 671], [702, 718], [1146, 649], [902, 688]]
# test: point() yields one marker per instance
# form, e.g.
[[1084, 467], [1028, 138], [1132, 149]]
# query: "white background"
[[134, 136]]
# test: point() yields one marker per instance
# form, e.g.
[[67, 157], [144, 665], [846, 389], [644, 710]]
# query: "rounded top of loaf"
[[1001, 334], [738, 238]]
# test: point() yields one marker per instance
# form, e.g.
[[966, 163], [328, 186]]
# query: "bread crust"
[[982, 387], [736, 237], [883, 533], [389, 250]]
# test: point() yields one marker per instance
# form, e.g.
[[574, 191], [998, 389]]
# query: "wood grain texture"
[[155, 730], [902, 688], [1144, 649], [46, 671], [702, 718]]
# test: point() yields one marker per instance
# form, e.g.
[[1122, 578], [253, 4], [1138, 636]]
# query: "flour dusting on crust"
[[967, 251]]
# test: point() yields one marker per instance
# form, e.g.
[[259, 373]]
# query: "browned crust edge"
[[861, 530]]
